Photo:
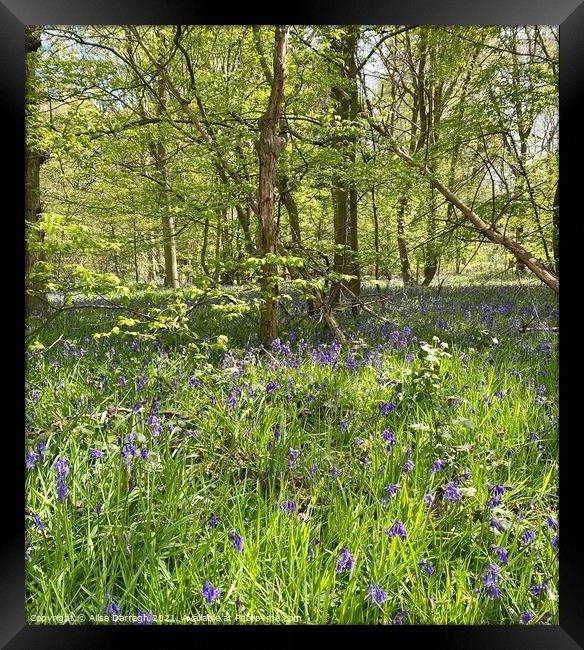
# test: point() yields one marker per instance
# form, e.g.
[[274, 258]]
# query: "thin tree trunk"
[[269, 147], [204, 247], [375, 236], [406, 270]]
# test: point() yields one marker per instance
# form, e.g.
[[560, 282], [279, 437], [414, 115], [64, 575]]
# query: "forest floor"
[[412, 478]]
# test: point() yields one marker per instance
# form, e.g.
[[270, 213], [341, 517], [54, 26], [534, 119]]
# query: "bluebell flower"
[[143, 618], [31, 459], [41, 448], [428, 499], [437, 465], [271, 387], [313, 470], [62, 469], [238, 603], [96, 454], [194, 382], [209, 593], [314, 542], [452, 493], [98, 507], [556, 542], [343, 424], [334, 472], [112, 609], [213, 521], [527, 537], [388, 438], [292, 456], [237, 540], [526, 617], [392, 489], [386, 408], [501, 553], [344, 561], [39, 525], [376, 595], [399, 617], [427, 568], [551, 523], [288, 506], [397, 530]]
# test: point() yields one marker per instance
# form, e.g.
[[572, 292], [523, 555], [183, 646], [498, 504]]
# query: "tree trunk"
[[346, 100], [33, 159], [269, 146], [406, 270], [204, 247]]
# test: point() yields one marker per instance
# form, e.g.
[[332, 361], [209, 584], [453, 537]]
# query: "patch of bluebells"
[[452, 493], [496, 491]]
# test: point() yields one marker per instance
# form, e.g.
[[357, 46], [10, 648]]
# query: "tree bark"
[[204, 247], [269, 147], [406, 270]]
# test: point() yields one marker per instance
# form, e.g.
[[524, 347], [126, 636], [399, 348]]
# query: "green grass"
[[227, 470]]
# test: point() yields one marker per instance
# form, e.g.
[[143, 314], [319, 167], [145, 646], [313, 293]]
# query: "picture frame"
[[569, 15]]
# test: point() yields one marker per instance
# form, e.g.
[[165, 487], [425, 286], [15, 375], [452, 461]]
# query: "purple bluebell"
[[122, 380], [41, 448], [98, 507], [344, 561], [194, 382], [386, 408], [238, 603], [213, 521], [96, 454], [551, 523], [138, 406], [428, 499], [426, 567], [292, 456], [392, 489], [314, 542], [288, 506], [399, 617], [271, 387], [452, 493], [397, 530], [31, 459], [388, 438], [496, 491], [314, 469], [437, 465], [237, 540], [526, 617], [376, 595], [39, 525], [209, 593], [555, 541], [501, 553], [112, 609], [334, 472], [144, 618], [527, 537], [343, 424], [62, 469]]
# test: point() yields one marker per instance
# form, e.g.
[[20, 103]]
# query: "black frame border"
[[569, 15]]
